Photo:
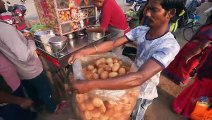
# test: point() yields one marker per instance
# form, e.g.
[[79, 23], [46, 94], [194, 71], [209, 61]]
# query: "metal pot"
[[71, 35], [81, 33], [58, 43], [95, 36]]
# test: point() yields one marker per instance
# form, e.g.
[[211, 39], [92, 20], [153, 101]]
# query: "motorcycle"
[[136, 5], [134, 13], [17, 16], [7, 19]]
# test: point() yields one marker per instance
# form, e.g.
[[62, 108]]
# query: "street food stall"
[[59, 48], [66, 35], [58, 57], [66, 16]]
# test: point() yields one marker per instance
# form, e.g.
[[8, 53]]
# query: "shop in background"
[[66, 16]]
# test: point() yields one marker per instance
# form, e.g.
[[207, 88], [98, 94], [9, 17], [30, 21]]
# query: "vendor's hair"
[[179, 5]]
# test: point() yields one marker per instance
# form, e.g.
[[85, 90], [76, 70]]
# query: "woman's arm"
[[202, 45]]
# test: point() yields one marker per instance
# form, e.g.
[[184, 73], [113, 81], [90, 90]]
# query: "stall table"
[[59, 59]]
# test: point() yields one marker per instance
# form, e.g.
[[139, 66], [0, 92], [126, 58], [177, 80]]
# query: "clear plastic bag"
[[104, 104]]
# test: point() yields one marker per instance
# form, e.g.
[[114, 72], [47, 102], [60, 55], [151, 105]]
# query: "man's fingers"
[[26, 104], [70, 60]]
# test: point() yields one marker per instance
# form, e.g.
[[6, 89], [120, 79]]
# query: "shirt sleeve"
[[133, 34], [205, 32], [22, 48], [166, 55], [106, 16]]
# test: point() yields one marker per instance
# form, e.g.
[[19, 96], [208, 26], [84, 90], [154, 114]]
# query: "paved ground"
[[161, 107]]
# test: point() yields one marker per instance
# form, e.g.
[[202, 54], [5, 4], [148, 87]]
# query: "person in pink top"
[[112, 19], [9, 73], [13, 103]]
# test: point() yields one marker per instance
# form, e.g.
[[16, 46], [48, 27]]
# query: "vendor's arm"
[[160, 59], [105, 20], [146, 71], [11, 99], [105, 46], [96, 29], [18, 44], [202, 45], [100, 48]]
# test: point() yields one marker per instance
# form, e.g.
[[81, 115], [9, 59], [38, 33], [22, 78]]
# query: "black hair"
[[179, 5], [140, 12], [210, 17]]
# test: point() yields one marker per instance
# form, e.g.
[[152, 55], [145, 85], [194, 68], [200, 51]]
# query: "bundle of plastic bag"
[[104, 104]]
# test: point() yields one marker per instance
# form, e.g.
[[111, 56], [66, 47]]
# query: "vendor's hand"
[[96, 29], [89, 29], [28, 35], [73, 57]]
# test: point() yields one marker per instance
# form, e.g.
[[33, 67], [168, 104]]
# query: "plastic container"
[[44, 37], [78, 70], [204, 100]]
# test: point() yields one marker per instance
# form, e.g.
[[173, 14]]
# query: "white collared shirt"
[[162, 49]]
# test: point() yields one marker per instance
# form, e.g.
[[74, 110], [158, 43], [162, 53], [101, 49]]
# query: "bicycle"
[[191, 27]]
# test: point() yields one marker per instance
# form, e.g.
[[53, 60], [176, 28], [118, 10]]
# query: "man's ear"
[[171, 13]]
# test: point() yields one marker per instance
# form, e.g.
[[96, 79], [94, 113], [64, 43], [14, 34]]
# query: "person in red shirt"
[[112, 19], [112, 16]]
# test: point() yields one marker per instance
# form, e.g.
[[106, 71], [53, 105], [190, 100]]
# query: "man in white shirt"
[[156, 48]]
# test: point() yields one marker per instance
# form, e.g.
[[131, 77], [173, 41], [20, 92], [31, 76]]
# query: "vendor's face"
[[98, 3], [156, 15], [2, 7]]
